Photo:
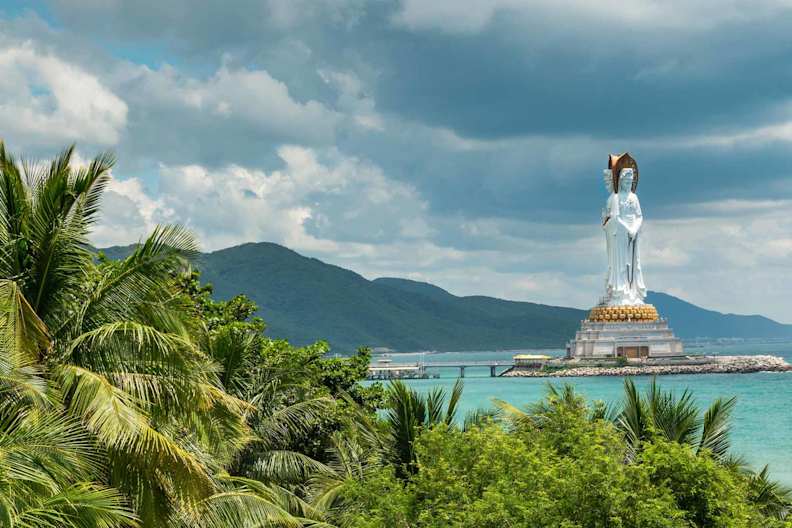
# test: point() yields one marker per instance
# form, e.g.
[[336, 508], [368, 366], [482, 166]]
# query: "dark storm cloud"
[[540, 71], [505, 82]]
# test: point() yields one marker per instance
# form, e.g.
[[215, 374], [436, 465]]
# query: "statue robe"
[[624, 284]]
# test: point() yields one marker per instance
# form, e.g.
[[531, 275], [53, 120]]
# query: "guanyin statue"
[[622, 222], [622, 325]]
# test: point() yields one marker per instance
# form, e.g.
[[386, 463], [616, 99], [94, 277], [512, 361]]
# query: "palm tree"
[[479, 417], [250, 503], [112, 343], [677, 419], [408, 411], [272, 479], [358, 451], [773, 498], [48, 472], [537, 414], [277, 418]]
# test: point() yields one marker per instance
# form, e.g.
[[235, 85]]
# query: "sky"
[[459, 143]]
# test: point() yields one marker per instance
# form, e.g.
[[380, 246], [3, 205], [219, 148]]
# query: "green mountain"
[[304, 299], [691, 321]]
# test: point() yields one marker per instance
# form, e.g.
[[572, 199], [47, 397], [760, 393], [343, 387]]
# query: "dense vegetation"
[[129, 397], [305, 299], [656, 461]]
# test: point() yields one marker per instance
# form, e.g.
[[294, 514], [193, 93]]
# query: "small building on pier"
[[531, 360]]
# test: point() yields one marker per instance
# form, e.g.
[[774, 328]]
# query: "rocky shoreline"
[[701, 365]]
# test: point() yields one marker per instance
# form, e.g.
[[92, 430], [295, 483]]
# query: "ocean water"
[[762, 431]]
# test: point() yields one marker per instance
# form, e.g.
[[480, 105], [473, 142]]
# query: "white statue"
[[622, 222]]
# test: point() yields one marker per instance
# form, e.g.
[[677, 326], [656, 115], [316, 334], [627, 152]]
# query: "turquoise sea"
[[762, 420]]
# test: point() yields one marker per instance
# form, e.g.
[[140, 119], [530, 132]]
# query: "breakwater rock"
[[698, 365]]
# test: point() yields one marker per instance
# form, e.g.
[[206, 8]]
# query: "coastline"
[[712, 365]]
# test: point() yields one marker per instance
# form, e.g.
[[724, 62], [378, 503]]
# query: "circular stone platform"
[[615, 314]]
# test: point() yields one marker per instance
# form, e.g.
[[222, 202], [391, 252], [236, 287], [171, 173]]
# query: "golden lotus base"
[[644, 313]]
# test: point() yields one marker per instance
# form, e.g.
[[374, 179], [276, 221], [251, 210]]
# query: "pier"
[[420, 369]]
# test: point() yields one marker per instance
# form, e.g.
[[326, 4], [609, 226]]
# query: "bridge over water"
[[383, 370]]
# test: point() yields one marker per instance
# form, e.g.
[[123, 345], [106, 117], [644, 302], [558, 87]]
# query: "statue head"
[[618, 162], [626, 179]]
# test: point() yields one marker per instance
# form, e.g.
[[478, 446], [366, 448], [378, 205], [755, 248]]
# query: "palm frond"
[[282, 466], [48, 461], [235, 348], [433, 402], [601, 410], [772, 497], [58, 227], [634, 420], [78, 506], [406, 412], [453, 401], [113, 345], [292, 421], [89, 183], [136, 282], [23, 338], [513, 416], [44, 448], [716, 428], [14, 211], [352, 456], [119, 424], [675, 418], [246, 503], [477, 418]]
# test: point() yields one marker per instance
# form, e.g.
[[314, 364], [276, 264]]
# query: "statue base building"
[[630, 332]]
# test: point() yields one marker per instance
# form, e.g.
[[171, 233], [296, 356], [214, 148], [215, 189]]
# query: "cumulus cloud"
[[447, 15], [129, 213], [234, 114], [198, 28], [318, 200], [778, 132], [353, 99], [45, 100]]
